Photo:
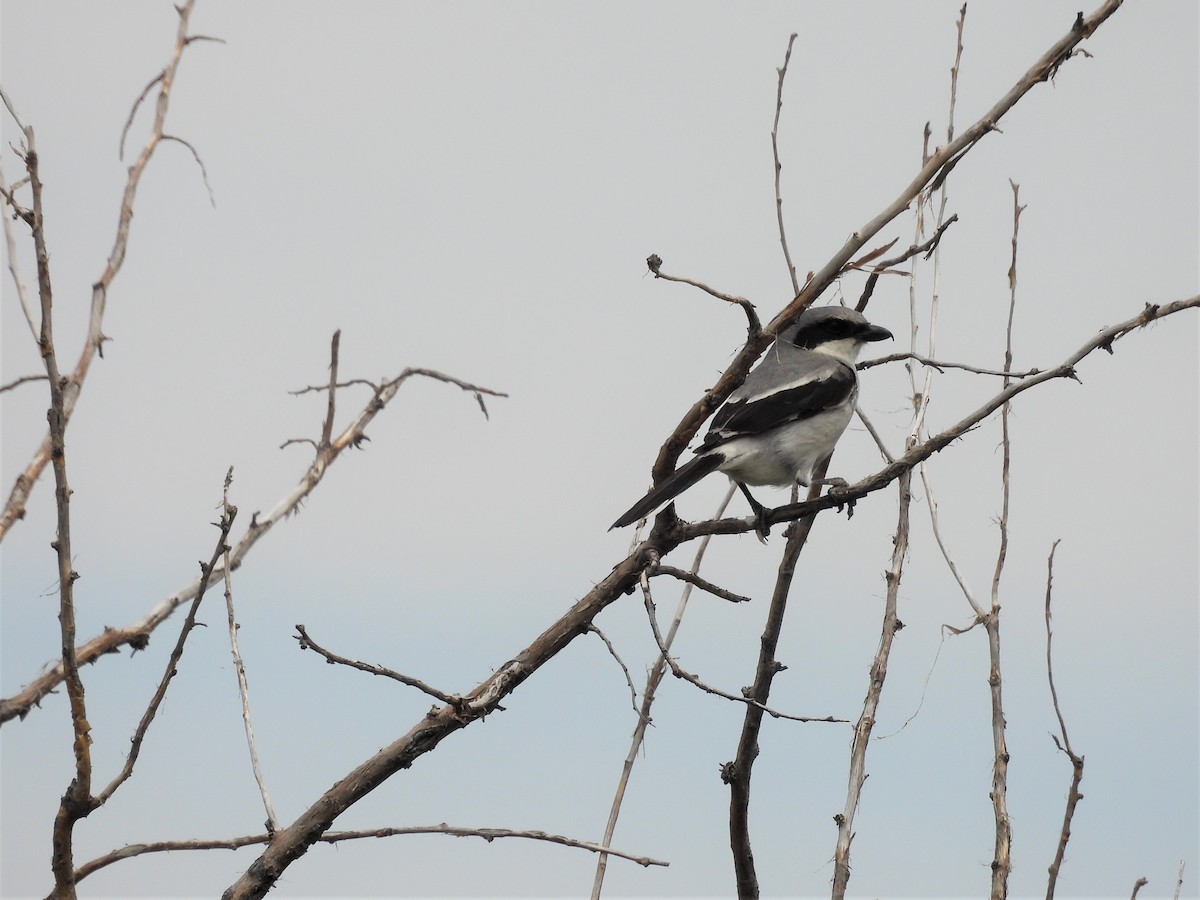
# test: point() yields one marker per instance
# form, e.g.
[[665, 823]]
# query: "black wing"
[[790, 384]]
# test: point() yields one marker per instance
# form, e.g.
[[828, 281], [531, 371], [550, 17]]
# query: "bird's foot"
[[837, 488]]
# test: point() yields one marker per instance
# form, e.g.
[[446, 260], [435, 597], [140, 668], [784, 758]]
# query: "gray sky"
[[474, 188]]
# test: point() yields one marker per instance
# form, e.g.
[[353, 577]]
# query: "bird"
[[785, 418]]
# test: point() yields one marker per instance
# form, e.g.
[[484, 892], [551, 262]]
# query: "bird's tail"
[[670, 487]]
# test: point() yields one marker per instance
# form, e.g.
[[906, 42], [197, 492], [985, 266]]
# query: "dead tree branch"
[[137, 635], [1073, 794], [307, 643], [787, 256], [14, 508], [737, 773], [239, 668], [334, 837]]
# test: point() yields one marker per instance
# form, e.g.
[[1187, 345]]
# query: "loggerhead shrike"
[[787, 415]]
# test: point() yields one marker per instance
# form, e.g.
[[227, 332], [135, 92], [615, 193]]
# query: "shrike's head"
[[833, 330]]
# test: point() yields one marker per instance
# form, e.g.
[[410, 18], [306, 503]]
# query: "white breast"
[[788, 453]]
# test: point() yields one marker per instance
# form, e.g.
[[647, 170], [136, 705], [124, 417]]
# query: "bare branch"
[[307, 643], [207, 571], [753, 326], [10, 244], [24, 379], [679, 672], [866, 721], [196, 156], [334, 837], [138, 634], [940, 365], [1137, 886], [1073, 795], [707, 586], [14, 508], [327, 426], [240, 669], [612, 651], [1002, 862], [787, 256], [653, 679]]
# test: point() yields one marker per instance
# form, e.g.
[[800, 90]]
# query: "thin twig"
[[24, 379], [77, 800], [707, 586], [307, 643], [11, 245], [649, 691], [334, 837], [1137, 886], [866, 721], [787, 256], [680, 672], [196, 156], [1073, 795], [207, 571], [612, 651], [239, 668], [753, 326], [327, 425], [1179, 881], [940, 365]]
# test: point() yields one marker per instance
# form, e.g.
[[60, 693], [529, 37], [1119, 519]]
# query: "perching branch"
[[678, 532]]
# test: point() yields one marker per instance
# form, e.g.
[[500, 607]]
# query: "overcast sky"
[[475, 188]]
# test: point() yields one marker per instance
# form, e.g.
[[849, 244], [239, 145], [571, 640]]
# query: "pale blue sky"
[[474, 188]]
